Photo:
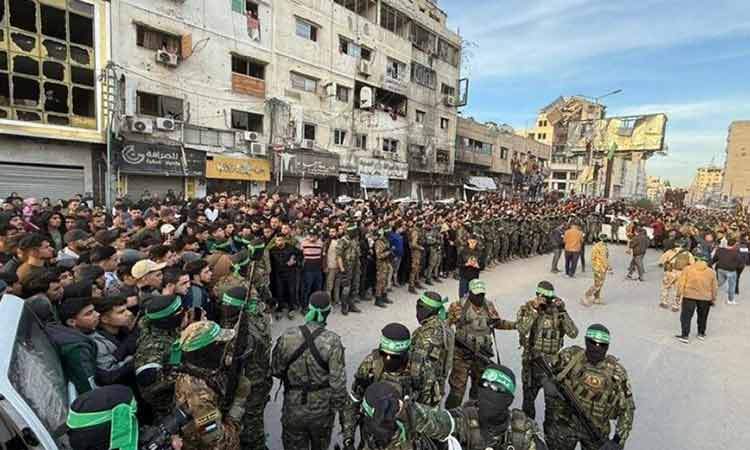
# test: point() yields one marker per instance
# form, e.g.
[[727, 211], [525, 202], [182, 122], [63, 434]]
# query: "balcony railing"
[[472, 157]]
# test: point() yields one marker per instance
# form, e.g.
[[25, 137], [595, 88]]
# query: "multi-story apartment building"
[[297, 96], [736, 183], [656, 188], [52, 117], [706, 186]]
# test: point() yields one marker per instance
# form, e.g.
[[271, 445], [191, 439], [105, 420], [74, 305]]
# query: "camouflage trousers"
[[669, 296], [562, 435], [594, 294], [416, 266], [382, 273], [253, 436], [465, 366], [313, 433], [356, 279], [345, 283], [433, 264], [533, 378]]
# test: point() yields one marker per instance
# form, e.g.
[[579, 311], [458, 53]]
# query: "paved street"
[[692, 396]]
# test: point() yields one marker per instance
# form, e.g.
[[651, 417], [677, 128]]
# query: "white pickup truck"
[[34, 395]]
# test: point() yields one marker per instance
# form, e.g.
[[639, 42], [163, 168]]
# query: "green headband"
[[599, 336], [352, 228], [315, 314], [251, 306], [394, 347], [238, 266], [370, 411], [545, 292], [432, 303], [501, 378], [223, 245], [168, 311], [201, 341], [477, 287], [124, 424]]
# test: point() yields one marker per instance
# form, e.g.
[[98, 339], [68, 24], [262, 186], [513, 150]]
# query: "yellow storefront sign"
[[246, 169]]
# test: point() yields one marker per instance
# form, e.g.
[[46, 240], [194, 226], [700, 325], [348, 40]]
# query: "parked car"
[[622, 232], [34, 394]]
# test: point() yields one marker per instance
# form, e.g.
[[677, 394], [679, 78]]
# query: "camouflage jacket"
[[543, 332], [258, 364], [415, 241], [310, 389], [433, 344], [522, 433], [420, 422], [153, 345], [600, 257], [382, 250], [603, 391], [345, 251], [474, 325]]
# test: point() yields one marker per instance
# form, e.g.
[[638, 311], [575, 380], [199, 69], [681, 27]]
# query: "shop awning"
[[373, 181], [481, 184]]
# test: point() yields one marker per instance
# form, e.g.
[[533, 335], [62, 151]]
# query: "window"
[[159, 105], [390, 145], [360, 141], [393, 20], [448, 53], [305, 29], [444, 123], [348, 47], [559, 175], [303, 83], [247, 121], [309, 131], [395, 69], [443, 156], [447, 90], [422, 75], [539, 124], [156, 40], [248, 67], [339, 137], [473, 145], [419, 116], [423, 39], [343, 93], [504, 153]]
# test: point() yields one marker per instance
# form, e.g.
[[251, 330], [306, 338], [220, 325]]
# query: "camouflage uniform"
[[382, 265], [416, 381], [504, 240], [434, 241], [541, 333], [152, 350], [355, 257], [602, 390], [420, 423], [345, 251], [433, 344], [600, 265], [312, 394], [522, 433], [417, 250], [474, 327], [673, 262]]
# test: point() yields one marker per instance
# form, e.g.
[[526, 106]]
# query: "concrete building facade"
[[706, 186], [655, 189], [736, 182]]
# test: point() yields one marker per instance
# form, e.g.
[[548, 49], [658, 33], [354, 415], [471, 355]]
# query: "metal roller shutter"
[[138, 184], [55, 182]]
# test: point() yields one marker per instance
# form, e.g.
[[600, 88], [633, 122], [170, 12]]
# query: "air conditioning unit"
[[166, 124], [451, 100], [166, 58], [250, 136], [142, 126], [257, 149], [308, 144], [364, 67]]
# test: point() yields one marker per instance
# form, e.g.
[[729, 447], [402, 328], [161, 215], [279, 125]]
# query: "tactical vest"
[[518, 436], [546, 335], [473, 327], [408, 382], [593, 386]]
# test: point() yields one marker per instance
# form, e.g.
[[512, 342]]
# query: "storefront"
[[146, 169], [395, 173], [236, 174], [305, 172]]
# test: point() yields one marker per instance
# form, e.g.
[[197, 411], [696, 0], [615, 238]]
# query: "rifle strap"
[[573, 362], [308, 344]]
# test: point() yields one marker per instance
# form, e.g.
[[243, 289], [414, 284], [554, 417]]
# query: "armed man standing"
[[542, 325]]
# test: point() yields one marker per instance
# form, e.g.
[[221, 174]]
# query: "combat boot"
[[380, 303], [429, 282], [412, 290], [353, 308], [386, 299], [344, 307]]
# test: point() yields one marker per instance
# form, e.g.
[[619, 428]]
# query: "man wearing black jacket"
[[285, 260], [556, 241], [726, 262], [115, 340]]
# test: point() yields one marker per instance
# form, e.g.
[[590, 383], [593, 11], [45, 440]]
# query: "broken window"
[[83, 102], [3, 61], [443, 156], [394, 20], [81, 7], [423, 75], [24, 64], [423, 39], [390, 145], [4, 90], [80, 55], [81, 30], [156, 40], [395, 69], [2, 12], [25, 91], [3, 114], [348, 47], [80, 75], [247, 121], [249, 67], [309, 131], [56, 98], [53, 70], [58, 120], [159, 105], [55, 50], [28, 116], [448, 52], [53, 22], [390, 102], [23, 14], [24, 42]]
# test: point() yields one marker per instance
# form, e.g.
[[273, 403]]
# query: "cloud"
[[520, 36]]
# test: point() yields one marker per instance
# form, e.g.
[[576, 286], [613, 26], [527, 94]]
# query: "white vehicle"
[[622, 234], [33, 391]]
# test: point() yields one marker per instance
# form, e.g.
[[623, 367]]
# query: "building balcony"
[[244, 84], [467, 156]]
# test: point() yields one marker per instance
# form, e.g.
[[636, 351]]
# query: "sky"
[[689, 59]]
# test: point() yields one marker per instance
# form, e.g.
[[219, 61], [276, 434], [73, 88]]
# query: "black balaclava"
[[496, 390], [476, 299], [597, 343], [546, 291], [380, 407], [165, 311], [210, 357], [104, 398], [232, 303], [430, 304], [395, 342]]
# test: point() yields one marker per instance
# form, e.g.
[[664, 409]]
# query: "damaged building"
[[51, 122]]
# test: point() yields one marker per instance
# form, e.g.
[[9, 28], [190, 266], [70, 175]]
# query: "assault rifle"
[[483, 357], [600, 441]]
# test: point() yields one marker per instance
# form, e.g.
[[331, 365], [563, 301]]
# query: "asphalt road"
[[690, 397]]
